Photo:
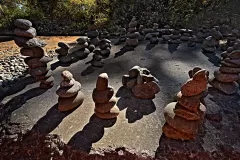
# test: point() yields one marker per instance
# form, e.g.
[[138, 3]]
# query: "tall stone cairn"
[[141, 83], [123, 34], [37, 60], [69, 92], [175, 37], [93, 35], [105, 34], [132, 35], [185, 117], [105, 102], [105, 47], [228, 74]]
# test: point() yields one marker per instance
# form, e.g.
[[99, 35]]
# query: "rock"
[[67, 83], [46, 86], [133, 72], [92, 34], [146, 90], [62, 51], [225, 77], [23, 23], [94, 41], [63, 45], [66, 75], [69, 91], [131, 83], [34, 63], [91, 47], [105, 53], [82, 53], [224, 63], [125, 79], [82, 40], [47, 80], [39, 71], [105, 107], [65, 59], [102, 82], [131, 30], [66, 104], [188, 115], [148, 78], [31, 32], [225, 69], [32, 52], [234, 54], [227, 88], [132, 42], [235, 62], [113, 113], [190, 103], [29, 43], [77, 47], [102, 96], [133, 35]]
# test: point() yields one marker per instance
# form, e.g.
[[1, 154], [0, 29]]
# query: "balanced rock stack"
[[203, 32], [70, 52], [96, 59], [69, 92], [228, 74], [105, 47], [93, 35], [123, 35], [184, 117], [186, 35], [31, 47], [141, 82], [153, 36], [105, 102], [105, 34], [175, 38], [165, 32], [132, 35]]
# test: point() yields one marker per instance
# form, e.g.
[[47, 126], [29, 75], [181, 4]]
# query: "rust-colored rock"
[[102, 82], [113, 113], [146, 90], [226, 77], [102, 96]]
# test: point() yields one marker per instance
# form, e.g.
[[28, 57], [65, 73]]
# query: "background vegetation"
[[73, 15]]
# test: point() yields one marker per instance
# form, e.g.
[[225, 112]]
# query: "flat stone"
[[225, 69], [132, 42], [105, 107], [77, 47], [46, 86], [146, 90], [39, 71], [104, 45], [29, 43], [66, 104], [133, 35], [102, 82], [32, 52], [68, 91], [23, 23], [95, 41], [172, 133], [82, 40], [31, 32], [233, 61], [234, 54], [227, 88], [66, 75], [63, 45], [227, 64], [46, 59], [67, 83], [34, 63], [113, 113], [102, 96], [62, 51], [92, 34], [226, 77], [179, 123], [187, 114], [82, 53]]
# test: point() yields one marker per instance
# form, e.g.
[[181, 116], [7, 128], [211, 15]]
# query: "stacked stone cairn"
[[186, 35], [225, 28], [228, 74], [212, 41], [231, 39], [141, 32], [154, 35], [69, 92], [37, 60], [105, 102], [105, 48], [71, 52], [175, 37], [165, 33], [123, 35], [105, 34], [141, 83], [185, 117], [93, 35], [132, 35], [203, 32]]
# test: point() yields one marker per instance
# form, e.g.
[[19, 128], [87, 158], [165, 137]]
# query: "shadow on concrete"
[[150, 46], [91, 133], [50, 121], [89, 70], [172, 47], [215, 60], [136, 108], [18, 101], [123, 50], [59, 64], [20, 85]]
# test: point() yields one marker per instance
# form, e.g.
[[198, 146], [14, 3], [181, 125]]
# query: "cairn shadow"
[[172, 47], [150, 46], [59, 64], [215, 60], [90, 69], [17, 101], [91, 133], [136, 108], [20, 85], [50, 121], [123, 50]]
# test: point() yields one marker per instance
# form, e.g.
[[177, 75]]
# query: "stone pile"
[[165, 33], [93, 35], [69, 92], [105, 47], [186, 35], [184, 117], [225, 28], [105, 34], [105, 102], [203, 32], [141, 83], [37, 60], [71, 52], [228, 74], [123, 35], [231, 39], [175, 37], [132, 35], [141, 32]]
